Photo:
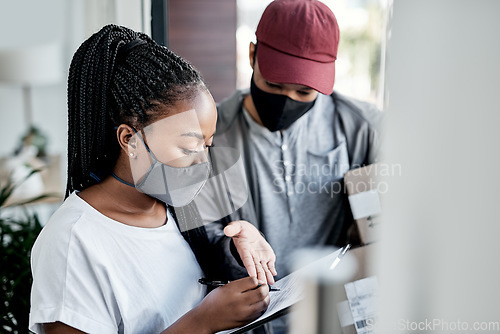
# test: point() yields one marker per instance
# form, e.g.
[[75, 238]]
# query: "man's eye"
[[273, 85], [301, 92]]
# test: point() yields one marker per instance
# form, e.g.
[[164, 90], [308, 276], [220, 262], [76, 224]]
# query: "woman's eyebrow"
[[193, 134]]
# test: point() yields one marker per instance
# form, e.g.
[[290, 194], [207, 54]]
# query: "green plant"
[[17, 235]]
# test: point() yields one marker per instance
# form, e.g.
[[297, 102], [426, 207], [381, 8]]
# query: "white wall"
[[440, 237], [25, 23]]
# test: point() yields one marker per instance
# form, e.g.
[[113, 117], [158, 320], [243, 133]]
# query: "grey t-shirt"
[[299, 175], [307, 160]]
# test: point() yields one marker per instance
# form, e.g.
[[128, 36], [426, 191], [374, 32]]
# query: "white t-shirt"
[[101, 276]]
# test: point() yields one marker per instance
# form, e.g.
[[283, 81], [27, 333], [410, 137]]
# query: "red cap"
[[297, 44]]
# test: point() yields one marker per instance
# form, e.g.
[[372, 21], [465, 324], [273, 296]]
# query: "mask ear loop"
[[150, 153], [210, 160], [113, 174], [143, 140]]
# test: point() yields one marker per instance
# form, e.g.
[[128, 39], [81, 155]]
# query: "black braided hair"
[[118, 76]]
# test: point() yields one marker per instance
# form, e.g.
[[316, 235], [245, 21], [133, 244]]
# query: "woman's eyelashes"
[[188, 152], [191, 152]]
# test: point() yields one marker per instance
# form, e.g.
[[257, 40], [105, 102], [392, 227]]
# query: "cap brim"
[[279, 67]]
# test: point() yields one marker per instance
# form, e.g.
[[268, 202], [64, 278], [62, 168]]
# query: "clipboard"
[[261, 322], [290, 293]]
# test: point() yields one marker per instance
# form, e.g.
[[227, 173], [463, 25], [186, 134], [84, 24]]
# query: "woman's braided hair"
[[118, 76]]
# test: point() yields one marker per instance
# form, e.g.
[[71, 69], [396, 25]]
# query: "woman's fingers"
[[244, 284], [257, 295], [260, 306]]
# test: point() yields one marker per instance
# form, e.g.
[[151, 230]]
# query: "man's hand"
[[256, 254]]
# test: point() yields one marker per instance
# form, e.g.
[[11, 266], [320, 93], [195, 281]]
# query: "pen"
[[341, 253], [205, 281]]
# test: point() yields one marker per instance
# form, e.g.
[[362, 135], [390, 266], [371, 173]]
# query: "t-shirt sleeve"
[[68, 285]]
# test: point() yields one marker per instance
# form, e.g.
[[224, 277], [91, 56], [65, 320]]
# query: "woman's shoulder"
[[69, 215], [70, 212], [58, 236]]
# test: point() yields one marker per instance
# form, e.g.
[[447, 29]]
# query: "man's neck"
[[250, 107]]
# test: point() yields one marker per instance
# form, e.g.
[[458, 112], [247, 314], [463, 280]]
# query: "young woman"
[[112, 258]]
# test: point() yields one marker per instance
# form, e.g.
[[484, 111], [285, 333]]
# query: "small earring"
[[131, 154]]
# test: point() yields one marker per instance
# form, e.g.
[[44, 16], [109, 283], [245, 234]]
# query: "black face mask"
[[276, 111]]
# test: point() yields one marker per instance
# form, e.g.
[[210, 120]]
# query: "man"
[[297, 137]]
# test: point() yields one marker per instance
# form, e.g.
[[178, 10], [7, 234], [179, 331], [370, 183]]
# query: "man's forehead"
[[291, 86]]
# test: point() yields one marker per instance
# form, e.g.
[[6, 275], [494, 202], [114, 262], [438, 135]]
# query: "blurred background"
[[37, 42], [432, 66], [40, 37]]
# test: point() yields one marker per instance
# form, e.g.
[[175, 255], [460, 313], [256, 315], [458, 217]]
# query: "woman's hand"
[[257, 255], [234, 304]]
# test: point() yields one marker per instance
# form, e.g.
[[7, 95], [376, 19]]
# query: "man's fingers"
[[232, 229], [269, 275], [249, 263], [261, 274], [272, 268], [255, 268]]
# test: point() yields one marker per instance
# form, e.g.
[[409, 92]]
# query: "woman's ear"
[[251, 54], [127, 140]]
